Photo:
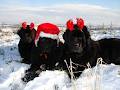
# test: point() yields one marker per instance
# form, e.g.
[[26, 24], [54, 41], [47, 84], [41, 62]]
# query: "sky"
[[94, 12]]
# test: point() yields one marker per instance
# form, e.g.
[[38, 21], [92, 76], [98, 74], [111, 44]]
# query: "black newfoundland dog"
[[27, 35], [78, 48], [46, 52]]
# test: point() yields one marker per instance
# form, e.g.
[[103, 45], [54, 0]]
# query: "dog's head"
[[26, 35], [46, 45], [76, 38], [47, 39]]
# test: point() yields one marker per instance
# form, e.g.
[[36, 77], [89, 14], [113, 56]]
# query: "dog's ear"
[[87, 35], [86, 32], [84, 41], [66, 35]]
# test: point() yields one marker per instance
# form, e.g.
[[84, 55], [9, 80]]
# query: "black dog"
[[46, 52], [80, 49], [26, 43], [110, 50]]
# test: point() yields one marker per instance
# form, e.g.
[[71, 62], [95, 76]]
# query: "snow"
[[97, 35], [101, 77]]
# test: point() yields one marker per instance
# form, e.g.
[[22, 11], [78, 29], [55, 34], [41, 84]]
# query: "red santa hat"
[[47, 30], [24, 25]]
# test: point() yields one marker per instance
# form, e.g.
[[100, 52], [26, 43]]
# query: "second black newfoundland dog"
[[80, 49]]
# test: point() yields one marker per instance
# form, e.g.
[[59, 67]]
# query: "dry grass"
[[95, 75]]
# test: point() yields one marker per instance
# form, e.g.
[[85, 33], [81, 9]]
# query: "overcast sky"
[[59, 11]]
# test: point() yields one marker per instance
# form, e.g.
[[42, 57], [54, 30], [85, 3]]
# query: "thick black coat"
[[110, 50], [45, 56], [26, 43], [47, 52], [80, 49]]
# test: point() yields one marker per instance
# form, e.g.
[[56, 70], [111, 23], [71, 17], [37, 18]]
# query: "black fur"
[[80, 49], [110, 50], [26, 43], [44, 56], [47, 52]]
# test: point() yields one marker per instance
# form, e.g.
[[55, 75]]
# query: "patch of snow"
[[97, 35]]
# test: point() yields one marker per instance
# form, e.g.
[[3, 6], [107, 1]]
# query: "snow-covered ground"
[[101, 77], [96, 35]]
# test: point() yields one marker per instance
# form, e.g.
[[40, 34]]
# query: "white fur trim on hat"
[[61, 37], [47, 35]]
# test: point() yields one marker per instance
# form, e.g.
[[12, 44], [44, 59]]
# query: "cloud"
[[93, 14]]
